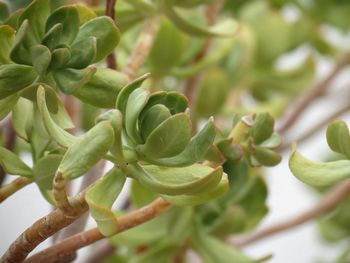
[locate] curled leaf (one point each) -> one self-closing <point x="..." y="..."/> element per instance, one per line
<point x="338" y="138"/>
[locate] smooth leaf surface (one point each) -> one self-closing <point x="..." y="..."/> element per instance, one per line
<point x="41" y="58"/>
<point x="83" y="52"/>
<point x="60" y="58"/>
<point x="12" y="164"/>
<point x="44" y="170"/>
<point x="338" y="138"/>
<point x="262" y="128"/>
<point x="52" y="37"/>
<point x="7" y="104"/>
<point x="23" y="118"/>
<point x="7" y="36"/>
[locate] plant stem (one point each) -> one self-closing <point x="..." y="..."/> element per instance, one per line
<point x="142" y="47"/>
<point x="86" y="238"/>
<point x="12" y="187"/>
<point x="40" y="231"/>
<point x="111" y="58"/>
<point x="328" y="203"/>
<point x="307" y="98"/>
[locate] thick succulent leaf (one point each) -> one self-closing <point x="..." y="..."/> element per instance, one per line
<point x="7" y="36"/>
<point x="191" y="200"/>
<point x="60" y="58"/>
<point x="83" y="52"/>
<point x="12" y="164"/>
<point x="103" y="88"/>
<point x="85" y="13"/>
<point x="7" y="104"/>
<point x="69" y="80"/>
<point x="266" y="157"/>
<point x="100" y="198"/>
<point x="87" y="150"/>
<point x="192" y="180"/>
<point x="212" y="250"/>
<point x="52" y="37"/>
<point x="13" y="18"/>
<point x="44" y="170"/>
<point x="4" y="11"/>
<point x="37" y="22"/>
<point x="141" y="196"/>
<point x="55" y="131"/>
<point x="14" y="77"/>
<point x="22" y="118"/>
<point x="169" y="139"/>
<point x="136" y="102"/>
<point x="262" y="128"/>
<point x="318" y="174"/>
<point x="124" y="94"/>
<point x="41" y="58"/>
<point x="152" y="118"/>
<point x="68" y="16"/>
<point x="214" y="155"/>
<point x="194" y="30"/>
<point x="338" y="138"/>
<point x="195" y="150"/>
<point x="273" y="142"/>
<point x="232" y="152"/>
<point x="106" y="33"/>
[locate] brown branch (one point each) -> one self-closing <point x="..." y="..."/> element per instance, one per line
<point x="111" y="58"/>
<point x="10" y="141"/>
<point x="12" y="187"/>
<point x="327" y="204"/>
<point x="40" y="231"/>
<point x="142" y="47"/>
<point x="307" y="98"/>
<point x="69" y="245"/>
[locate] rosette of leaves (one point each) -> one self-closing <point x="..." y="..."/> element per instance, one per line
<point x="251" y="138"/>
<point x="58" y="49"/>
<point x="325" y="173"/>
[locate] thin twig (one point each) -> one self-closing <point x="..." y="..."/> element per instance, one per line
<point x="86" y="238"/>
<point x="307" y="98"/>
<point x="10" y="141"/>
<point x="7" y="190"/>
<point x="316" y="127"/>
<point x="142" y="47"/>
<point x="328" y="203"/>
<point x="111" y="58"/>
<point x="40" y="231"/>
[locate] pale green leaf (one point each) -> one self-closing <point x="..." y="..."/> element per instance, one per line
<point x="12" y="164"/>
<point x="44" y="170"/>
<point x="338" y="138"/>
<point x="7" y="36"/>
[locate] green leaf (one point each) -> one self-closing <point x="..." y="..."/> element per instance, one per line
<point x="195" y="149"/>
<point x="85" y="13"/>
<point x="338" y="138"/>
<point x="265" y="156"/>
<point x="4" y="11"/>
<point x="87" y="150"/>
<point x="192" y="180"/>
<point x="162" y="252"/>
<point x="168" y="139"/>
<point x="318" y="174"/>
<point x="44" y="170"/>
<point x="41" y="58"/>
<point x="232" y="152"/>
<point x="136" y="102"/>
<point x="103" y="88"/>
<point x="7" y="36"/>
<point x="22" y="118"/>
<point x="52" y="37"/>
<point x="124" y="94"/>
<point x="83" y="53"/>
<point x="273" y="142"/>
<point x="37" y="22"/>
<point x="60" y="58"/>
<point x="14" y="77"/>
<point x="262" y="128"/>
<point x="106" y="33"/>
<point x="69" y="80"/>
<point x="7" y="104"/>
<point x="12" y="164"/>
<point x="56" y="132"/>
<point x="192" y="200"/>
<point x="68" y="16"/>
<point x="100" y="198"/>
<point x="141" y="196"/>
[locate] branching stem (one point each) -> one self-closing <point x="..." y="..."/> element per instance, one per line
<point x="12" y="187"/>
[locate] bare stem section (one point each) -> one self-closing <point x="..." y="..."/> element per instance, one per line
<point x="328" y="203"/>
<point x="83" y="239"/>
<point x="11" y="188"/>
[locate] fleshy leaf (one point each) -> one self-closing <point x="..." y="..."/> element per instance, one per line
<point x="4" y="11"/>
<point x="68" y="16"/>
<point x="262" y="128"/>
<point x="318" y="174"/>
<point x="191" y="180"/>
<point x="60" y="58"/>
<point x="69" y="80"/>
<point x="7" y="36"/>
<point x="191" y="200"/>
<point x="22" y="118"/>
<point x="56" y="132"/>
<point x="44" y="170"/>
<point x="338" y="138"/>
<point x="100" y="198"/>
<point x="140" y="195"/>
<point x="14" y="77"/>
<point x="168" y="139"/>
<point x="7" y="104"/>
<point x="273" y="142"/>
<point x="87" y="150"/>
<point x="106" y="33"/>
<point x="41" y="58"/>
<point x="12" y="164"/>
<point x="85" y="13"/>
<point x="195" y="149"/>
<point x="83" y="53"/>
<point x="103" y="88"/>
<point x="152" y="118"/>
<point x="52" y="37"/>
<point x="265" y="156"/>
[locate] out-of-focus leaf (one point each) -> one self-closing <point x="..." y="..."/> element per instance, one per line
<point x="4" y="11"/>
<point x="22" y="118"/>
<point x="85" y="13"/>
<point x="100" y="198"/>
<point x="7" y="36"/>
<point x="140" y="195"/>
<point x="12" y="164"/>
<point x="262" y="128"/>
<point x="265" y="156"/>
<point x="7" y="104"/>
<point x="338" y="138"/>
<point x="162" y="252"/>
